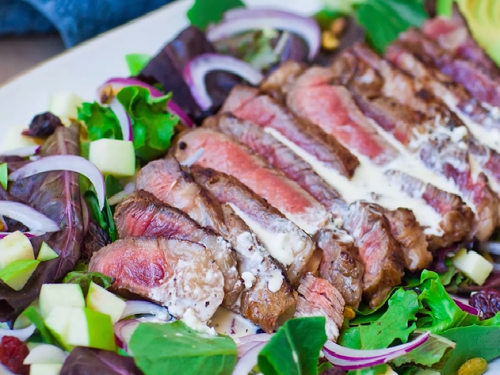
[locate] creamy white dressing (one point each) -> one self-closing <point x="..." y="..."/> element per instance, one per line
<point x="191" y="320"/>
<point x="248" y="279"/>
<point x="369" y="183"/>
<point x="309" y="221"/>
<point x="487" y="136"/>
<point x="275" y="282"/>
<point x="228" y="323"/>
<point x="279" y="245"/>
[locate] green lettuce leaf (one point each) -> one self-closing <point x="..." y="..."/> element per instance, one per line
<point x="100" y="121"/>
<point x="174" y="348"/>
<point x="376" y="370"/>
<point x="206" y="12"/>
<point x="294" y="349"/>
<point x="394" y="324"/>
<point x="136" y="62"/>
<point x="4" y="175"/>
<point x="84" y="279"/>
<point x="113" y="186"/>
<point x="152" y="125"/>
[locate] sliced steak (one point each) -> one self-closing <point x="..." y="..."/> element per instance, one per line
<point x="317" y="297"/>
<point x="286" y="242"/>
<point x="177" y="274"/>
<point x="141" y="214"/>
<point x="278" y="82"/>
<point x="224" y="154"/>
<point x="341" y="265"/>
<point x="94" y="240"/>
<point x="266" y="112"/>
<point x="379" y="251"/>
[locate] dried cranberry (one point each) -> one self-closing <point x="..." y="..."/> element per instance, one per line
<point x="487" y="300"/>
<point x="44" y="125"/>
<point x="12" y="354"/>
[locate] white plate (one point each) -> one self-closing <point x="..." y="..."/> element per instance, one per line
<point x="82" y="69"/>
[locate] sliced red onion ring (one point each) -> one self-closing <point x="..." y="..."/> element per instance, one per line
<point x="22" y="151"/>
<point x="249" y="360"/>
<point x="37" y="223"/>
<point x="145" y="307"/>
<point x="123" y="332"/>
<point x="71" y="163"/>
<point x="467" y="308"/>
<point x="173" y="108"/>
<point x="258" y="337"/>
<point x="45" y="354"/>
<point x="353" y="359"/>
<point x="196" y="70"/>
<point x="117" y="198"/>
<point x="193" y="158"/>
<point x="27" y="234"/>
<point x="241" y="20"/>
<point x="22" y="334"/>
<point x="123" y="118"/>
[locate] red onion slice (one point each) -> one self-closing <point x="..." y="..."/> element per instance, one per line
<point x="22" y="334"/>
<point x="45" y="354"/>
<point x="27" y="234"/>
<point x="124" y="330"/>
<point x="70" y="163"/>
<point x="117" y="198"/>
<point x="467" y="308"/>
<point x="249" y="360"/>
<point x="196" y="70"/>
<point x="22" y="151"/>
<point x="118" y="83"/>
<point x="241" y="20"/>
<point x="37" y="223"/>
<point x="123" y="118"/>
<point x="145" y="307"/>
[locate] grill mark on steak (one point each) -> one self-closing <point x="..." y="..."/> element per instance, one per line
<point x="174" y="273"/>
<point x="228" y="190"/>
<point x="141" y="214"/>
<point x="264" y="111"/>
<point x="229" y="156"/>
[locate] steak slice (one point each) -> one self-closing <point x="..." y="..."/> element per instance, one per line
<point x="141" y="214"/>
<point x="224" y="154"/>
<point x="278" y="82"/>
<point x="341" y="265"/>
<point x="262" y="302"/>
<point x="317" y="297"/>
<point x="286" y="242"/>
<point x="378" y="250"/>
<point x="178" y="274"/>
<point x="266" y="112"/>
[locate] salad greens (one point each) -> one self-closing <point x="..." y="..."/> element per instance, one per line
<point x="4" y="175"/>
<point x="295" y="348"/>
<point x="164" y="349"/>
<point x="36" y="318"/>
<point x="136" y="62"/>
<point x="100" y="121"/>
<point x="205" y="12"/>
<point x="84" y="279"/>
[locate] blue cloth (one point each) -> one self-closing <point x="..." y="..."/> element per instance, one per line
<point x="75" y="20"/>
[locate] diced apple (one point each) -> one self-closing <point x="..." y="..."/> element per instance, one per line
<point x="113" y="157"/>
<point x="99" y="299"/>
<point x="52" y="295"/>
<point x="46" y="253"/>
<point x="15" y="246"/>
<point x="45" y="369"/>
<point x="58" y="322"/>
<point x="13" y="139"/>
<point x="90" y="328"/>
<point x="45" y="354"/>
<point x="17" y="273"/>
<point x="473" y="265"/>
<point x="64" y="105"/>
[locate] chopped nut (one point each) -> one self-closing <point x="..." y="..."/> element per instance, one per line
<point x="107" y="94"/>
<point x="329" y="41"/>
<point x="338" y="26"/>
<point x="474" y="366"/>
<point x="349" y="313"/>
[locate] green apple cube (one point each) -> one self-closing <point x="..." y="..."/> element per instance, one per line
<point x="45" y="369"/>
<point x="113" y="157"/>
<point x="58" y="323"/>
<point x="17" y="274"/>
<point x="45" y="354"/>
<point x="90" y="328"/>
<point x="15" y="246"/>
<point x="99" y="299"/>
<point x="64" y="105"/>
<point x="46" y="253"/>
<point x="52" y="295"/>
<point x="473" y="265"/>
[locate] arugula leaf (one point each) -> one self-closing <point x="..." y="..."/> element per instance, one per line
<point x="113" y="186"/>
<point x="4" y="175"/>
<point x="376" y="370"/>
<point x="295" y="348"/>
<point x="433" y="353"/>
<point x="105" y="217"/>
<point x="84" y="279"/>
<point x="393" y="325"/>
<point x="136" y="62"/>
<point x="472" y="341"/>
<point x="34" y="316"/>
<point x="152" y="125"/>
<point x="165" y="349"/>
<point x="383" y="20"/>
<point x="100" y="121"/>
<point x="206" y="12"/>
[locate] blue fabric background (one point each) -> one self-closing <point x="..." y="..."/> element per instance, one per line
<point x="75" y="20"/>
